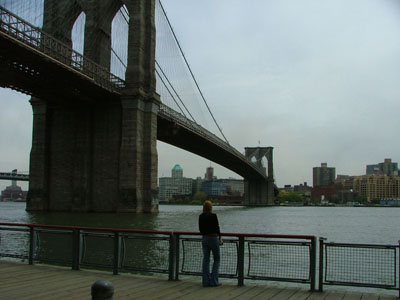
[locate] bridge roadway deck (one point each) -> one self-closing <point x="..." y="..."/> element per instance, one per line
<point x="21" y="281"/>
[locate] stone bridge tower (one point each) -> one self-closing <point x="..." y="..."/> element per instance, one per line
<point x="99" y="155"/>
<point x="261" y="191"/>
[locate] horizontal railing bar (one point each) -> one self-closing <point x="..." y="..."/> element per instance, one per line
<point x="298" y="243"/>
<point x="199" y="274"/>
<point x="124" y="230"/>
<point x="372" y="285"/>
<point x="349" y="245"/>
<point x="99" y="229"/>
<point x="269" y="278"/>
<point x="261" y="235"/>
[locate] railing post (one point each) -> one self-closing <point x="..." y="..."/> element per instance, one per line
<point x="76" y="249"/>
<point x="321" y="264"/>
<point x="313" y="263"/>
<point x="32" y="244"/>
<point x="177" y="239"/>
<point x="117" y="248"/>
<point x="240" y="261"/>
<point x="172" y="249"/>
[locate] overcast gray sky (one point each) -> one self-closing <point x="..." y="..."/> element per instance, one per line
<point x="316" y="79"/>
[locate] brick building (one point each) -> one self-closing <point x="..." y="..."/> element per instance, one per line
<point x="377" y="187"/>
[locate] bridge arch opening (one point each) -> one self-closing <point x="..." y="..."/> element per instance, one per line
<point x="78" y="33"/>
<point x="16" y="118"/>
<point x="119" y="42"/>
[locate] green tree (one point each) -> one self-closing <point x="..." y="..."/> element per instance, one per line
<point x="376" y="201"/>
<point x="200" y="197"/>
<point x="362" y="199"/>
<point x="290" y="197"/>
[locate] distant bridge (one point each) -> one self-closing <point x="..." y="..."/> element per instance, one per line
<point x="14" y="176"/>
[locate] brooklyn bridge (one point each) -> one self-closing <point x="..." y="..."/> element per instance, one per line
<point x="99" y="106"/>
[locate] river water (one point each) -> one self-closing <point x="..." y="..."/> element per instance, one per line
<point x="375" y="225"/>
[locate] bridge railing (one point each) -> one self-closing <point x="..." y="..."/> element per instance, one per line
<point x="244" y="256"/>
<point x="270" y="257"/>
<point x="34" y="37"/>
<point x="364" y="265"/>
<point x="177" y="117"/>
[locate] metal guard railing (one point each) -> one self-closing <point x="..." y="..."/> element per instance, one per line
<point x="362" y="265"/>
<point x="34" y="37"/>
<point x="289" y="258"/>
<point x="174" y="253"/>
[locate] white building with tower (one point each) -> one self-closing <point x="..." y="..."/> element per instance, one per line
<point x="174" y="185"/>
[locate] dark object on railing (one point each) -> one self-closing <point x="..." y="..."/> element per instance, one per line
<point x="102" y="290"/>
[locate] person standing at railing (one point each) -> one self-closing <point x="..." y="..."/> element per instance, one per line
<point x="209" y="228"/>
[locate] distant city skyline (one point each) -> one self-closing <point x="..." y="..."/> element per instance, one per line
<point x="24" y="185"/>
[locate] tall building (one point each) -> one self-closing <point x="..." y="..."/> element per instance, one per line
<point x="209" y="175"/>
<point x="323" y="175"/>
<point x="174" y="185"/>
<point x="385" y="168"/>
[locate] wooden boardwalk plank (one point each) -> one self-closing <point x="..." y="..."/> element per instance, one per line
<point x="300" y="295"/>
<point x="369" y="297"/>
<point x="25" y="282"/>
<point x="352" y="296"/>
<point x="268" y="293"/>
<point x="284" y="294"/>
<point x="335" y="296"/>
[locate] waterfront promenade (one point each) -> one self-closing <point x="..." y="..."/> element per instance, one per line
<point x="22" y="281"/>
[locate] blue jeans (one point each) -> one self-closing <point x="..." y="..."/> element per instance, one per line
<point x="210" y="244"/>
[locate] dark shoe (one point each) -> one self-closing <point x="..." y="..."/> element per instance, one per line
<point x="219" y="284"/>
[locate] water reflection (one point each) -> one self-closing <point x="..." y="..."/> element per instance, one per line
<point x="106" y="220"/>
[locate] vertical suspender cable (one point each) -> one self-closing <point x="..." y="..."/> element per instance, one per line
<point x="191" y="73"/>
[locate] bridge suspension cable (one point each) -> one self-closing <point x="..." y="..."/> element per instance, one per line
<point x="190" y="71"/>
<point x="172" y="87"/>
